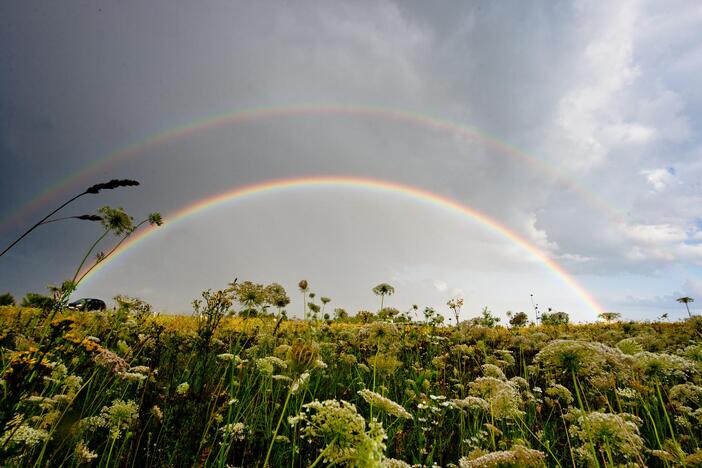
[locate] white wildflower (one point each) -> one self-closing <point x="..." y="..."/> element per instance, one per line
<point x="384" y="404"/>
<point x="299" y="383"/>
<point x="183" y="388"/>
<point x="83" y="454"/>
<point x="235" y="431"/>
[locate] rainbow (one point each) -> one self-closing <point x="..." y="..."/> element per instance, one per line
<point x="380" y="186"/>
<point x="143" y="146"/>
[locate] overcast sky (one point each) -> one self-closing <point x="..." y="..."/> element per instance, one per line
<point x="605" y="96"/>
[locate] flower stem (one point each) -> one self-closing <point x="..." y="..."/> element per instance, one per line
<point x="40" y="222"/>
<point x="277" y="428"/>
<point x="109" y="253"/>
<point x="319" y="458"/>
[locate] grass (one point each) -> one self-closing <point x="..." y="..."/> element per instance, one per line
<point x="129" y="388"/>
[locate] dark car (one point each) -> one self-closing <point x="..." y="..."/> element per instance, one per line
<point x="87" y="303"/>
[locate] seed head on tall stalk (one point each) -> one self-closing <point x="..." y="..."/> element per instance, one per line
<point x="116" y="221"/>
<point x="93" y="189"/>
<point x="455" y="305"/>
<point x="382" y="290"/>
<point x="325" y="301"/>
<point x="277" y="297"/>
<point x="304" y="287"/>
<point x="686" y="300"/>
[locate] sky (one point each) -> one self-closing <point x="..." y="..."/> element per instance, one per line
<point x="575" y="125"/>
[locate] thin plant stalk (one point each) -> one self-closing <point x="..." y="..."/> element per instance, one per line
<point x="319" y="458"/>
<point x="114" y="249"/>
<point x="114" y="183"/>
<point x="277" y="427"/>
<point x="587" y="425"/>
<point x="41" y="222"/>
<point x="667" y="418"/>
<point x="548" y="449"/>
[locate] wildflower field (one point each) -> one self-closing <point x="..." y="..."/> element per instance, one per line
<point x="126" y="387"/>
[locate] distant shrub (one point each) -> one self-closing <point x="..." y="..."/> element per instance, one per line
<point x="519" y="319"/>
<point x="7" y="299"/>
<point x="555" y="318"/>
<point x="387" y="313"/>
<point x="37" y="301"/>
<point x="365" y="316"/>
<point x="486" y="319"/>
<point x="134" y="305"/>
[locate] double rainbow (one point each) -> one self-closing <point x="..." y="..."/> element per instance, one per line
<point x="142" y="148"/>
<point x="241" y="194"/>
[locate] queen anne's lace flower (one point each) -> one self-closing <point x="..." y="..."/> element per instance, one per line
<point x="348" y="359"/>
<point x="561" y="358"/>
<point x="302" y="355"/>
<point x="384" y="364"/>
<point x="517" y="456"/>
<point x="630" y="346"/>
<point x="299" y="383"/>
<point x="24" y="435"/>
<point x="559" y="393"/>
<point x="472" y="403"/>
<point x="393" y="463"/>
<point x="183" y="388"/>
<point x="234" y="431"/>
<point x="110" y="360"/>
<point x="614" y="434"/>
<point x="687" y="394"/>
<point x="663" y="367"/>
<point x="83" y="454"/>
<point x="226" y="357"/>
<point x="491" y="370"/>
<point x="119" y="416"/>
<point x="384" y="404"/>
<point x="342" y="433"/>
<point x="268" y="364"/>
<point x="502" y="396"/>
<point x="133" y="376"/>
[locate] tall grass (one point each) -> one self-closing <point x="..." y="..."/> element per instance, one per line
<point x="126" y="387"/>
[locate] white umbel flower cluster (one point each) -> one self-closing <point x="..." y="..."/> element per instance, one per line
<point x="384" y="404"/>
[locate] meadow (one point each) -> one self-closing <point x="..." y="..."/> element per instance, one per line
<point x="126" y="387"/>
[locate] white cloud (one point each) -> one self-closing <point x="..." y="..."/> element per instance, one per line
<point x="587" y="118"/>
<point x="655" y="234"/>
<point x="575" y="258"/>
<point x="628" y="133"/>
<point x="440" y="285"/>
<point x="658" y="178"/>
<point x="663" y="243"/>
<point x="537" y="236"/>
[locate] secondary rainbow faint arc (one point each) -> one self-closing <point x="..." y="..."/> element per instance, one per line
<point x="250" y="115"/>
<point x="416" y="193"/>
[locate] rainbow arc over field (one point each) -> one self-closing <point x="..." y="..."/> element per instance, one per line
<point x="142" y="148"/>
<point x="240" y="194"/>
